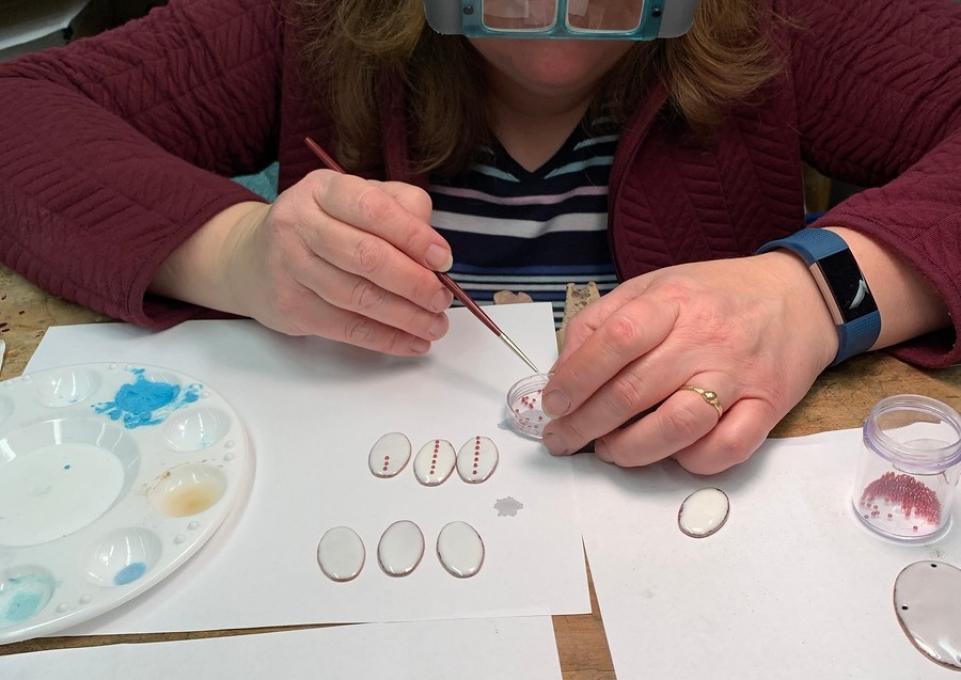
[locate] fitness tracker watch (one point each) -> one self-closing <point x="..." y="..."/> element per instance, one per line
<point x="842" y="285"/>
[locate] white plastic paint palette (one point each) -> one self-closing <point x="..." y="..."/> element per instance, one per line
<point x="927" y="600"/>
<point x="111" y="476"/>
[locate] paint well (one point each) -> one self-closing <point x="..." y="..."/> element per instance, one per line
<point x="434" y="462"/>
<point x="130" y="573"/>
<point x="389" y="455"/>
<point x="341" y="554"/>
<point x="41" y="499"/>
<point x="147" y="401"/>
<point x="65" y="387"/>
<point x="24" y="592"/>
<point x="401" y="548"/>
<point x="460" y="549"/>
<point x="927" y="601"/>
<point x="188" y="490"/>
<point x="196" y="429"/>
<point x="703" y="513"/>
<point x="123" y="556"/>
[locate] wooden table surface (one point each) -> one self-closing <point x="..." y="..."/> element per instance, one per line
<point x="840" y="399"/>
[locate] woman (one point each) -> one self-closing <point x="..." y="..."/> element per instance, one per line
<point x="112" y="191"/>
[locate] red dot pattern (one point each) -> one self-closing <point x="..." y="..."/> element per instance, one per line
<point x="529" y="412"/>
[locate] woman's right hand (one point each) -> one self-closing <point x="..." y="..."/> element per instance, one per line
<point x="335" y="256"/>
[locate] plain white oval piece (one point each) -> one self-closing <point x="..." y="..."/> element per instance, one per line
<point x="460" y="549"/>
<point x="927" y="600"/>
<point x="401" y="548"/>
<point x="703" y="512"/>
<point x="477" y="460"/>
<point x="389" y="454"/>
<point x="341" y="554"/>
<point x="434" y="462"/>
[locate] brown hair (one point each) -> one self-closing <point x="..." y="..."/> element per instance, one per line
<point x="351" y="46"/>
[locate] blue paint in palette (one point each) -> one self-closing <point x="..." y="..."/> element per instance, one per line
<point x="23" y="596"/>
<point x="130" y="573"/>
<point x="147" y="402"/>
<point x="23" y="606"/>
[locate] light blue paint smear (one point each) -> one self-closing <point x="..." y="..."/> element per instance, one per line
<point x="145" y="402"/>
<point x="130" y="573"/>
<point x="23" y="596"/>
<point x="23" y="606"/>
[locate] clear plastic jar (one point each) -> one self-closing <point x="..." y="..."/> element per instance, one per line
<point x="525" y="413"/>
<point x="909" y="468"/>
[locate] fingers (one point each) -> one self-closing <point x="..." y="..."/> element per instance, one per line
<point x="631" y="332"/>
<point x="740" y="433"/>
<point x="679" y="422"/>
<point x="353" y="293"/>
<point x="641" y="385"/>
<point x="373" y="207"/>
<point x="318" y="317"/>
<point x="414" y="199"/>
<point x="370" y="257"/>
<point x="589" y="319"/>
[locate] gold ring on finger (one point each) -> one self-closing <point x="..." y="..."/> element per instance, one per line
<point x="709" y="396"/>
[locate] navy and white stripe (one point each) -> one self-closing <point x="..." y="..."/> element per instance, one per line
<point x="512" y="229"/>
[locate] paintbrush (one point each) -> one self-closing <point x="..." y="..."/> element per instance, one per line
<point x="451" y="285"/>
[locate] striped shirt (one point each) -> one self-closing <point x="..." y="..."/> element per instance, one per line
<point x="533" y="232"/>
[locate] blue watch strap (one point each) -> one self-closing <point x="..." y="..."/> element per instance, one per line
<point x="813" y="245"/>
<point x="857" y="337"/>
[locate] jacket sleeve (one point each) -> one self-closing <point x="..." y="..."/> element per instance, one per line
<point x="878" y="90"/>
<point x="116" y="148"/>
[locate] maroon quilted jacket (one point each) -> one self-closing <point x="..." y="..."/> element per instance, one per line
<point x="115" y="149"/>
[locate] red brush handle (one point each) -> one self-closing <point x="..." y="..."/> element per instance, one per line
<point x="324" y="157"/>
<point x="467" y="302"/>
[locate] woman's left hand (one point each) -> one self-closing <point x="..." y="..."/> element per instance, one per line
<point x="755" y="331"/>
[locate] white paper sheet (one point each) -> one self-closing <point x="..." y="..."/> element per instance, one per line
<point x="313" y="409"/>
<point x="792" y="587"/>
<point x="479" y="649"/>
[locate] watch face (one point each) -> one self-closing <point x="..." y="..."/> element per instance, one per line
<point x="850" y="290"/>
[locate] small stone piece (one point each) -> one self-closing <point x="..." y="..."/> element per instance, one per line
<point x="389" y="455"/>
<point x="341" y="554"/>
<point x="401" y="548"/>
<point x="477" y="460"/>
<point x="434" y="462"/>
<point x="460" y="549"/>
<point x="703" y="513"/>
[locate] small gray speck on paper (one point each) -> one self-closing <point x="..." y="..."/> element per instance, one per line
<point x="508" y="507"/>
